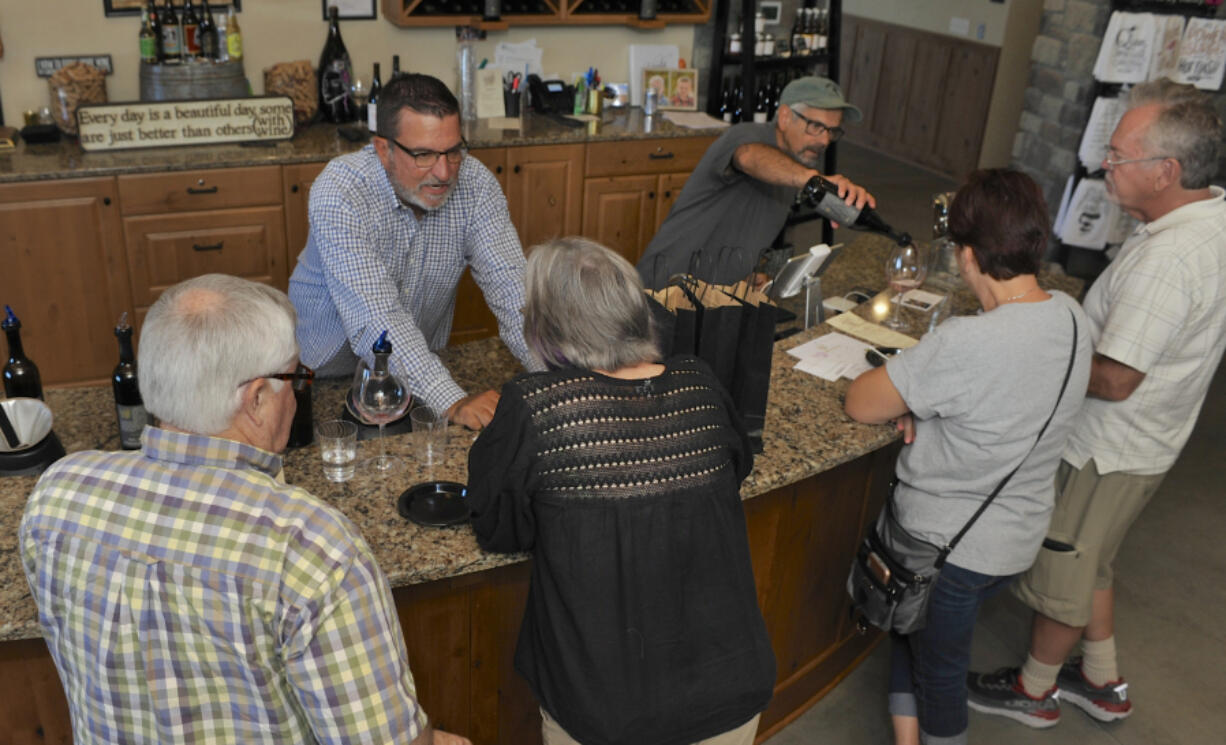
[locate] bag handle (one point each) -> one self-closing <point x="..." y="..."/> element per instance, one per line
<point x="1072" y="356"/>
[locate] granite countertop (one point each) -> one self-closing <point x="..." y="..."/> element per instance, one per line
<point x="806" y="433"/>
<point x="318" y="142"/>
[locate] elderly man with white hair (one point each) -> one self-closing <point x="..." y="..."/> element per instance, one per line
<point x="187" y="594"/>
<point x="737" y="199"/>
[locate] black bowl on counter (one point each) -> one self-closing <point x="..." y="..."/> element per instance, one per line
<point x="435" y="504"/>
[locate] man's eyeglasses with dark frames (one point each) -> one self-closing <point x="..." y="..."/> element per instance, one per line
<point x="427" y="158"/>
<point x="308" y="376"/>
<point x="813" y="127"/>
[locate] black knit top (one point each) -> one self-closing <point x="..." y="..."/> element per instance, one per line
<point x="642" y="625"/>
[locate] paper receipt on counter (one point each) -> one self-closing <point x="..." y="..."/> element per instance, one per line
<point x="850" y="323"/>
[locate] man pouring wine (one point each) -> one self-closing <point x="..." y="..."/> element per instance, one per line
<point x="738" y="197"/>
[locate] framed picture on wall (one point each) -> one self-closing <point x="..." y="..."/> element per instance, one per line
<point x="351" y="9"/>
<point x="132" y="7"/>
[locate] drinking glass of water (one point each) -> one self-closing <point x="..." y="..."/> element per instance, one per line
<point x="338" y="448"/>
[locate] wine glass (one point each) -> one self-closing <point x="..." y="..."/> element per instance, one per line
<point x="360" y="94"/>
<point x="905" y="270"/>
<point x="379" y="398"/>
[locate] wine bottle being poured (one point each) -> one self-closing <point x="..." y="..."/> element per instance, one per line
<point x="825" y="200"/>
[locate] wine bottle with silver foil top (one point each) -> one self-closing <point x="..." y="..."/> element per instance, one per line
<point x="21" y="378"/>
<point x="825" y="200"/>
<point x="129" y="407"/>
<point x="302" y="429"/>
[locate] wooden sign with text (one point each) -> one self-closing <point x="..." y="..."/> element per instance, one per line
<point x="121" y="126"/>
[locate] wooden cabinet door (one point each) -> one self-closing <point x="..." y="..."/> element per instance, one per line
<point x="545" y="191"/>
<point x="298" y="179"/>
<point x="620" y="212"/>
<point x="495" y="159"/>
<point x="669" y="188"/>
<point x="61" y="249"/>
<point x="165" y="249"/>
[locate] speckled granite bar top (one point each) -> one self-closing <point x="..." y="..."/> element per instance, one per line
<point x="315" y="143"/>
<point x="806" y="433"/>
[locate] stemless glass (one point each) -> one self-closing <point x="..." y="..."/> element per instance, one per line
<point x="905" y="270"/>
<point x="379" y="398"/>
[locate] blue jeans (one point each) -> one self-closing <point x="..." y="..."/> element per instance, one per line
<point x="928" y="668"/>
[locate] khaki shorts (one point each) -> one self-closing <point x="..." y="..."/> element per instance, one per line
<point x="553" y="734"/>
<point x="1093" y="514"/>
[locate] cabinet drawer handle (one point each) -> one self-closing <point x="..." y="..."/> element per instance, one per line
<point x="660" y="156"/>
<point x="209" y="190"/>
<point x="294" y="189"/>
<point x="210" y="247"/>
<point x="497" y="169"/>
<point x="668" y="194"/>
<point x="516" y="169"/>
<point x="651" y="195"/>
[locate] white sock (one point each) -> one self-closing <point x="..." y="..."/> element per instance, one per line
<point x="1099" y="664"/>
<point x="1038" y="678"/>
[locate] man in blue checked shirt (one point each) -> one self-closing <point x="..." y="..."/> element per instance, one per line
<point x="392" y="228"/>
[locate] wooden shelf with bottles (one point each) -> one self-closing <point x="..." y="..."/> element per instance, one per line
<point x="419" y="13"/>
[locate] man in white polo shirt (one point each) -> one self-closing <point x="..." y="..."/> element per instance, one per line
<point x="1158" y="314"/>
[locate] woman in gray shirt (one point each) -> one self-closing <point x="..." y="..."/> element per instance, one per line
<point x="971" y="399"/>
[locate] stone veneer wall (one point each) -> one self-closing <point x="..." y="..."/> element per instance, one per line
<point x="1061" y="92"/>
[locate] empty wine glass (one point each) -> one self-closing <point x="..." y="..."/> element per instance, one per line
<point x="380" y="397"/>
<point x="905" y="270"/>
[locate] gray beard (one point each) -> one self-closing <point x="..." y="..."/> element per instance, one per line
<point x="413" y="199"/>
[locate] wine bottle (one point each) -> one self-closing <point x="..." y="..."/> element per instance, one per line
<point x="372" y="103"/>
<point x="129" y="408"/>
<point x="148" y="41"/>
<point x="206" y="34"/>
<point x="335" y="75"/>
<point x="648" y="9"/>
<point x="739" y="103"/>
<point x="21" y="379"/>
<point x="491" y="10"/>
<point x="824" y="197"/>
<point x="759" y="109"/>
<point x="725" y="102"/>
<point x="191" y="25"/>
<point x="234" y="36"/>
<point x="172" y="35"/>
<point x="796" y="39"/>
<point x="155" y="25"/>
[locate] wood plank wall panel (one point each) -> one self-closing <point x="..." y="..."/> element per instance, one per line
<point x="925" y="96"/>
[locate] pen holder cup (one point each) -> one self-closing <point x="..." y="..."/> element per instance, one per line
<point x="512" y="102"/>
<point x="595" y="101"/>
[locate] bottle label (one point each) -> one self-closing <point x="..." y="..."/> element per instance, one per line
<point x="190" y="42"/>
<point x="334" y="82"/>
<point x="234" y="45"/>
<point x="372" y="119"/>
<point x="833" y="208"/>
<point x="170" y="41"/>
<point x="759" y="116"/>
<point x="132" y="421"/>
<point x="148" y="49"/>
<point x="728" y="116"/>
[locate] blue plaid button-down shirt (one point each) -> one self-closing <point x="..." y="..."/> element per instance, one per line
<point x="370" y="264"/>
<point x="189" y="597"/>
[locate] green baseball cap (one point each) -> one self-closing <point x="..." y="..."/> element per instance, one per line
<point x="819" y="93"/>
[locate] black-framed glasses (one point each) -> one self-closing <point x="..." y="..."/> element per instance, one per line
<point x="816" y="128"/>
<point x="307" y="375"/>
<point x="427" y="158"/>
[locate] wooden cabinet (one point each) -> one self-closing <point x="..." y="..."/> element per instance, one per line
<point x="631" y="186"/>
<point x="182" y="225"/>
<point x="417" y="13"/>
<point x="61" y="249"/>
<point x="544" y="191"/>
<point x="297" y="180"/>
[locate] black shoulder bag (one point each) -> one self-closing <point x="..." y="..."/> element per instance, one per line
<point x="893" y="573"/>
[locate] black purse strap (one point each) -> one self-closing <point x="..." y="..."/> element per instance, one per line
<point x="1072" y="357"/>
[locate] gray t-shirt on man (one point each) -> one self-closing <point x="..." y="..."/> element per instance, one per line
<point x="723" y="218"/>
<point x="981" y="388"/>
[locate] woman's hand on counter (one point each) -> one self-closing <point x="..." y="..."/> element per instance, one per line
<point x="475" y="411"/>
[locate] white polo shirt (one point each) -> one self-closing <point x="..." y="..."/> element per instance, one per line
<point x="1160" y="308"/>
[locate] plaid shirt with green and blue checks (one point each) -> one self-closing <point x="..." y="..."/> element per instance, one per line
<point x="187" y="596"/>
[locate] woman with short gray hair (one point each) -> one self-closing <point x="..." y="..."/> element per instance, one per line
<point x="621" y="474"/>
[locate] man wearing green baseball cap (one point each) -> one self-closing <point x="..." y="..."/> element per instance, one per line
<point x="737" y="199"/>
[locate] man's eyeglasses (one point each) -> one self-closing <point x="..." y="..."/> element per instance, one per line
<point x="1111" y="163"/>
<point x="816" y="128"/>
<point x="307" y="376"/>
<point x="427" y="158"/>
